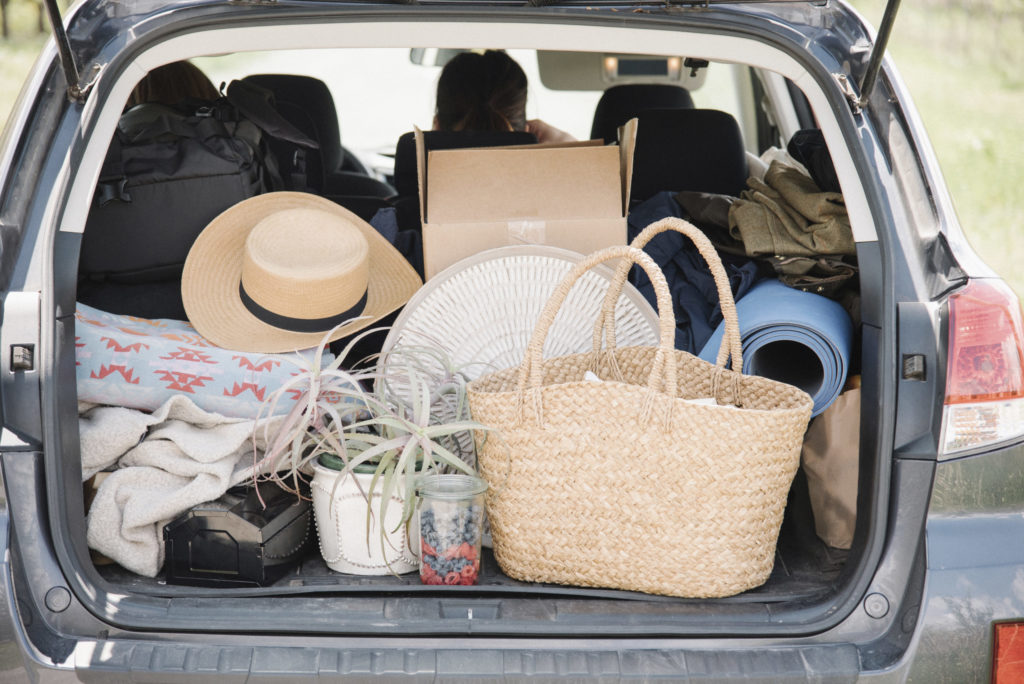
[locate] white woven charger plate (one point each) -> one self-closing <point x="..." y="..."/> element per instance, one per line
<point x="482" y="310"/>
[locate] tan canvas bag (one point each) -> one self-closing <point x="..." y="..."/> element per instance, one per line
<point x="831" y="461"/>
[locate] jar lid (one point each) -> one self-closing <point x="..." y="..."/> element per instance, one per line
<point x="452" y="486"/>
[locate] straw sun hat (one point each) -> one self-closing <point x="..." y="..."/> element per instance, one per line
<point x="277" y="271"/>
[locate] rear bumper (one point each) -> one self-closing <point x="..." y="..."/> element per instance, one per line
<point x="972" y="575"/>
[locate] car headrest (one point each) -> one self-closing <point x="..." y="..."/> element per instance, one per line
<point x="688" y="149"/>
<point x="406" y="182"/>
<point x="621" y="103"/>
<point x="308" y="105"/>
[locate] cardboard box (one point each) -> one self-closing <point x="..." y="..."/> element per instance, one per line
<point x="572" y="195"/>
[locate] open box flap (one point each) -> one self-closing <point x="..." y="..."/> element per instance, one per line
<point x="421" y="171"/>
<point x="627" y="148"/>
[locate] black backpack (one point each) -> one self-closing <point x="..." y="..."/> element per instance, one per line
<point x="168" y="172"/>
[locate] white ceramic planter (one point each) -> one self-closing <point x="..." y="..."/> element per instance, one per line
<point x="341" y="525"/>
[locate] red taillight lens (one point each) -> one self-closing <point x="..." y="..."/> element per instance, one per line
<point x="986" y="344"/>
<point x="985" y="376"/>
<point x="1008" y="653"/>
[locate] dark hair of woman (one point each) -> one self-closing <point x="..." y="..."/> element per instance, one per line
<point x="481" y="92"/>
<point x="172" y="83"/>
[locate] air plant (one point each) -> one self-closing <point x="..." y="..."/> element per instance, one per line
<point x="404" y="366"/>
<point x="325" y="398"/>
<point x="405" y="417"/>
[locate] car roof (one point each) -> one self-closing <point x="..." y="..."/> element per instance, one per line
<point x="96" y="29"/>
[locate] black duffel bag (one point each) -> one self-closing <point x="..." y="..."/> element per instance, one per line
<point x="168" y="172"/>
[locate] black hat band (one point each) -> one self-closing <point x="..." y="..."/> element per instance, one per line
<point x="300" y="325"/>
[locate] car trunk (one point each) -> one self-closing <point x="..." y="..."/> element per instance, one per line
<point x="806" y="570"/>
<point x="811" y="586"/>
<point x="808" y="576"/>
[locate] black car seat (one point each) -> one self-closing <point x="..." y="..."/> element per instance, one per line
<point x="621" y="103"/>
<point x="306" y="102"/>
<point x="406" y="179"/>
<point x="688" y="149"/>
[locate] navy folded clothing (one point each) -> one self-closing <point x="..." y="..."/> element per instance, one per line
<point x="694" y="295"/>
<point x="792" y="336"/>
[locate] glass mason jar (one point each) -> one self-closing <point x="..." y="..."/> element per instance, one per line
<point x="451" y="514"/>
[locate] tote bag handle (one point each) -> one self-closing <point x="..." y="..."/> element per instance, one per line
<point x="731" y="341"/>
<point x="664" y="368"/>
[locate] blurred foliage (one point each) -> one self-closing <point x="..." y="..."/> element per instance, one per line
<point x="19" y="47"/>
<point x="963" y="62"/>
<point x="14" y="13"/>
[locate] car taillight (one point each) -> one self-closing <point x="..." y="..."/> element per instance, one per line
<point x="1008" y="653"/>
<point x="985" y="370"/>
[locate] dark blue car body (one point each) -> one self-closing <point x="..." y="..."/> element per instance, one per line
<point x="937" y="559"/>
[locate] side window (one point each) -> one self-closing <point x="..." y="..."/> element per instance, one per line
<point x="801" y="106"/>
<point x="765" y="121"/>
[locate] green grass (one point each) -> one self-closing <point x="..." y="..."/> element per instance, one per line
<point x="979" y="142"/>
<point x="16" y="59"/>
<point x="962" y="62"/>
<point x="18" y="52"/>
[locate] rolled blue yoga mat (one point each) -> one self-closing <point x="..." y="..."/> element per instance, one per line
<point x="792" y="336"/>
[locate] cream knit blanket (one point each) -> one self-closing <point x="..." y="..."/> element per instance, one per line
<point x="166" y="462"/>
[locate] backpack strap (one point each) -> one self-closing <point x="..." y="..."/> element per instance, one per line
<point x="113" y="183"/>
<point x="257" y="104"/>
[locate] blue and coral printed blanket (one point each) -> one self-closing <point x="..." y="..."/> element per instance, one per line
<point x="139" y="363"/>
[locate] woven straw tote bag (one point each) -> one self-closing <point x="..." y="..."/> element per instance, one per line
<point x="632" y="482"/>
